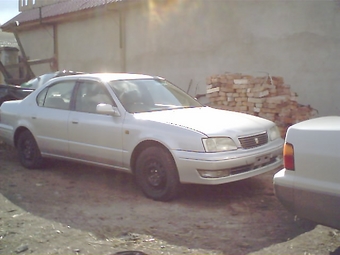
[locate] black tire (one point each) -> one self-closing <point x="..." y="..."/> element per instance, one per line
<point x="28" y="151"/>
<point x="156" y="174"/>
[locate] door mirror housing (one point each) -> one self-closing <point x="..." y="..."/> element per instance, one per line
<point x="107" y="109"/>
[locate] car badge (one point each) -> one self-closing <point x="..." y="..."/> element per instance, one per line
<point x="256" y="140"/>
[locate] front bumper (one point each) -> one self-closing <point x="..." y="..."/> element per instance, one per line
<point x="194" y="167"/>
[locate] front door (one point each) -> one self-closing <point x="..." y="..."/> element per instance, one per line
<point x="94" y="137"/>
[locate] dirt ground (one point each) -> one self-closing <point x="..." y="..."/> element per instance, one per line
<point x="69" y="208"/>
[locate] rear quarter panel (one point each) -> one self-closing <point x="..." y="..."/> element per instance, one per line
<point x="317" y="156"/>
<point x="317" y="169"/>
<point x="9" y="116"/>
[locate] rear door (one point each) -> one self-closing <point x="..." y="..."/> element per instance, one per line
<point x="51" y="118"/>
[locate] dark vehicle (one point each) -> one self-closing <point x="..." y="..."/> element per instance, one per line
<point x="12" y="92"/>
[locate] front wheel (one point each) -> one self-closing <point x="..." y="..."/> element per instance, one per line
<point x="28" y="151"/>
<point x="156" y="173"/>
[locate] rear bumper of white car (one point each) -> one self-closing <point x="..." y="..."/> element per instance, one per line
<point x="284" y="189"/>
<point x="307" y="198"/>
<point x="219" y="168"/>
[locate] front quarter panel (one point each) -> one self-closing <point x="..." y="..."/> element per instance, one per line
<point x="136" y="131"/>
<point x="187" y="149"/>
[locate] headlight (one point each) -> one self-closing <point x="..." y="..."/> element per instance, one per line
<point x="218" y="144"/>
<point x="274" y="133"/>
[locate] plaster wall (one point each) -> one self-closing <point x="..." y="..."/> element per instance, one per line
<point x="38" y="44"/>
<point x="90" y="45"/>
<point x="187" y="41"/>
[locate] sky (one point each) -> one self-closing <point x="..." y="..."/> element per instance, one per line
<point x="8" y="10"/>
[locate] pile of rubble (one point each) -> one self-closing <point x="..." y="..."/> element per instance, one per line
<point x="267" y="97"/>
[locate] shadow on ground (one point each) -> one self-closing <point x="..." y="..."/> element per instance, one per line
<point x="235" y="218"/>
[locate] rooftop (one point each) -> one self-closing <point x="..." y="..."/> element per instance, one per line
<point x="55" y="10"/>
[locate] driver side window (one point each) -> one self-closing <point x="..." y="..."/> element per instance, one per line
<point x="89" y="94"/>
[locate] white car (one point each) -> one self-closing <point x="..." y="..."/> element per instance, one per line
<point x="309" y="185"/>
<point x="142" y="125"/>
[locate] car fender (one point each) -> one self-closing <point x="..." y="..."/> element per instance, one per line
<point x="170" y="136"/>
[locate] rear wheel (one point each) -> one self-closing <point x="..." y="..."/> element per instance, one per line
<point x="157" y="175"/>
<point x="28" y="151"/>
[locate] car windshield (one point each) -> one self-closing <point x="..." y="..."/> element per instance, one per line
<point x="146" y="95"/>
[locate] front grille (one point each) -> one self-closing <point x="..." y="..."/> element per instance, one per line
<point x="253" y="141"/>
<point x="261" y="162"/>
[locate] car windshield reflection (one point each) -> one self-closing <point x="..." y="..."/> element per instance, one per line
<point x="145" y="95"/>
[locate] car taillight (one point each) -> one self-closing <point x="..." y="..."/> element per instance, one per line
<point x="288" y="156"/>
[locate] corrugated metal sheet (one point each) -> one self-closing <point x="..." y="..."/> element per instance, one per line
<point x="58" y="9"/>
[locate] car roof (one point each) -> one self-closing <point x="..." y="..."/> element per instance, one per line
<point x="108" y="76"/>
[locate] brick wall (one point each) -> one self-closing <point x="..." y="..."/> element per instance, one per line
<point x="267" y="97"/>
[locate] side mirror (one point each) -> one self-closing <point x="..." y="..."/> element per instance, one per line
<point x="107" y="109"/>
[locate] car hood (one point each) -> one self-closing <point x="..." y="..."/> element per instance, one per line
<point x="209" y="121"/>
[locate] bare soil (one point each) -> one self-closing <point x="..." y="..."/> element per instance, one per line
<point x="69" y="208"/>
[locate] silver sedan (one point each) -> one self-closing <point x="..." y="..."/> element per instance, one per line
<point x="142" y="125"/>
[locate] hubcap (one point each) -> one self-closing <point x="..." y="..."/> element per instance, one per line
<point x="155" y="175"/>
<point x="27" y="149"/>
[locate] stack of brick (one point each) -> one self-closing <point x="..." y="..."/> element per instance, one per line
<point x="267" y="97"/>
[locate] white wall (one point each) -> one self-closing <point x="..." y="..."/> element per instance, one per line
<point x="191" y="40"/>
